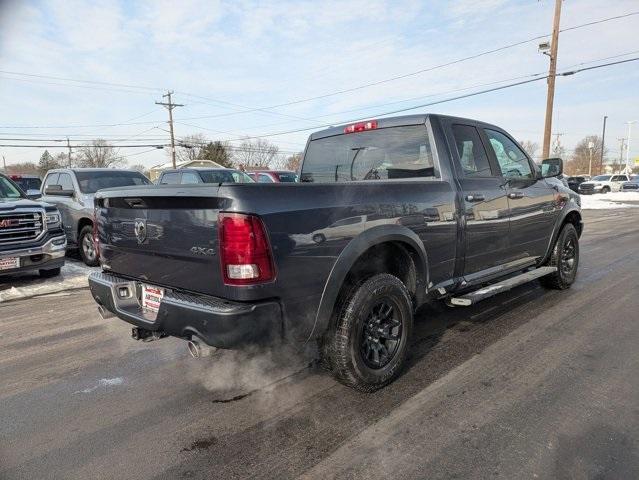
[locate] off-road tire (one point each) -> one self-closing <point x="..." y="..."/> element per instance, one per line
<point x="86" y="235"/>
<point x="52" y="272"/>
<point x="563" y="278"/>
<point x="343" y="347"/>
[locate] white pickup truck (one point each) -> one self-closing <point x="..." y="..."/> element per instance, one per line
<point x="603" y="184"/>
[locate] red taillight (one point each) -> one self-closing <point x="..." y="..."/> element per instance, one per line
<point x="360" y="127"/>
<point x="96" y="237"/>
<point x="15" y="177"/>
<point x="245" y="253"/>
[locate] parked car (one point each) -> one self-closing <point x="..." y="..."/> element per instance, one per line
<point x="203" y="175"/>
<point x="574" y="182"/>
<point x="603" y="184"/>
<point x="632" y="185"/>
<point x="30" y="184"/>
<point x="273" y="176"/>
<point x="72" y="191"/>
<point x="31" y="234"/>
<point x="467" y="215"/>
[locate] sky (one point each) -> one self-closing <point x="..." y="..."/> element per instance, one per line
<point x="94" y="69"/>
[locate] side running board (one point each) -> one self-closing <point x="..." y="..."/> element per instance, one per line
<point x="499" y="287"/>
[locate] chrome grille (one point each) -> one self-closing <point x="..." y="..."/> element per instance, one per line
<point x="20" y="227"/>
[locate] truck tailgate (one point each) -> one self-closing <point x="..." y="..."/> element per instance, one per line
<point x="163" y="236"/>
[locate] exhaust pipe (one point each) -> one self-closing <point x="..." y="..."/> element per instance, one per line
<point x="104" y="313"/>
<point x="199" y="349"/>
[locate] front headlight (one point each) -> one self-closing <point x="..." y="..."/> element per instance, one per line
<point x="52" y="218"/>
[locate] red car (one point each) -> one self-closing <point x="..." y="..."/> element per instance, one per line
<point x="272" y="176"/>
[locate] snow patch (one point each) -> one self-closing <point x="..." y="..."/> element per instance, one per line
<point x="74" y="275"/>
<point x="103" y="382"/>
<point x="610" y="201"/>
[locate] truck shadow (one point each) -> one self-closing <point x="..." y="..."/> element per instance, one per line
<point x="470" y="329"/>
<point x="320" y="422"/>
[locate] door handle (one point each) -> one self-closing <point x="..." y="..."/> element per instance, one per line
<point x="515" y="195"/>
<point x="475" y="197"/>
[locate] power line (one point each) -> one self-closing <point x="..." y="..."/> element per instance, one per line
<point x="417" y="72"/>
<point x="293" y="102"/>
<point x="459" y="97"/>
<point x="83" y="145"/>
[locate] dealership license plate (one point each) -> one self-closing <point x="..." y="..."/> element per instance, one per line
<point x="9" y="263"/>
<point x="151" y="298"/>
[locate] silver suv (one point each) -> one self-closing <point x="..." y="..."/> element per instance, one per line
<point x="72" y="190"/>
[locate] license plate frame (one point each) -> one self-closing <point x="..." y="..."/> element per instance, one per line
<point x="9" y="263"/>
<point x="152" y="297"/>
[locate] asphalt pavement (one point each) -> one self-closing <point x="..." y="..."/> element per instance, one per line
<point x="529" y="384"/>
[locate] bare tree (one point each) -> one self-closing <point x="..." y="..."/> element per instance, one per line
<point x="99" y="155"/>
<point x="256" y="153"/>
<point x="530" y="147"/>
<point x="293" y="162"/>
<point x="582" y="155"/>
<point x="189" y="148"/>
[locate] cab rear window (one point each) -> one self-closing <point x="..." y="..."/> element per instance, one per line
<point x="381" y="154"/>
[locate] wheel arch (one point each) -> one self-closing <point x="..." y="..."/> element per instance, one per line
<point x="383" y="238"/>
<point x="572" y="216"/>
<point x="83" y="222"/>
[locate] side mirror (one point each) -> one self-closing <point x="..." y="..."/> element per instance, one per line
<point x="33" y="194"/>
<point x="58" y="191"/>
<point x="552" y="167"/>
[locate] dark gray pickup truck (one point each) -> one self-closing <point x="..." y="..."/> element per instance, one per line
<point x="389" y="214"/>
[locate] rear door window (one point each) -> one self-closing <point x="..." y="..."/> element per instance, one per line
<point x="472" y="155"/>
<point x="381" y="154"/>
<point x="264" y="178"/>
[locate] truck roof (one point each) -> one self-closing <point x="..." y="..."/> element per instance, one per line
<point x="91" y="169"/>
<point x="398" y="121"/>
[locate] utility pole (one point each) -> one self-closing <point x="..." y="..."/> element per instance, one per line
<point x="622" y="145"/>
<point x="550" y="97"/>
<point x="591" y="145"/>
<point x="4" y="163"/>
<point x="69" y="147"/>
<point x="557" y="143"/>
<point x="628" y="145"/>
<point x="170" y="106"/>
<point x="603" y="140"/>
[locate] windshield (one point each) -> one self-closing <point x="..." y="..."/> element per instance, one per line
<point x="602" y="178"/>
<point x="287" y="177"/>
<point x="387" y="153"/>
<point x="225" y="176"/>
<point x="8" y="190"/>
<point x="92" y="181"/>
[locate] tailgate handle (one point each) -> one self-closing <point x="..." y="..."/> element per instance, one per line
<point x="135" y="202"/>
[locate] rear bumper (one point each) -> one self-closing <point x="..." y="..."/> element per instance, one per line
<point x="218" y="322"/>
<point x="47" y="256"/>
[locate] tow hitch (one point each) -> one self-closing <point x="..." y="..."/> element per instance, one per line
<point x="145" y="335"/>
